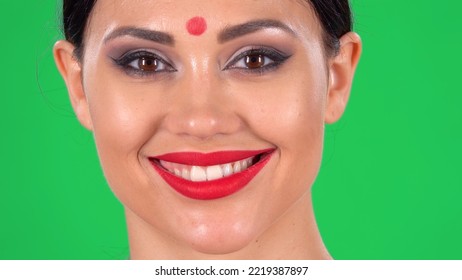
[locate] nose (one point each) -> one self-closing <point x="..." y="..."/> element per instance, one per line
<point x="201" y="107"/>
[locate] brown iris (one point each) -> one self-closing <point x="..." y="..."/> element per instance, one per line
<point x="253" y="61"/>
<point x="148" y="64"/>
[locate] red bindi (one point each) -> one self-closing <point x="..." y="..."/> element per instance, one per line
<point x="196" y="26"/>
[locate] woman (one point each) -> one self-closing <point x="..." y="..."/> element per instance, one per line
<point x="208" y="117"/>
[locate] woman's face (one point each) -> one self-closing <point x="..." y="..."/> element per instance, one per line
<point x="158" y="93"/>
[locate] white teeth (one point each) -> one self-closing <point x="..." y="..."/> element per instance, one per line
<point x="166" y="164"/>
<point x="227" y="169"/>
<point x="237" y="167"/>
<point x="198" y="174"/>
<point x="214" y="172"/>
<point x="185" y="174"/>
<point x="244" y="164"/>
<point x="206" y="173"/>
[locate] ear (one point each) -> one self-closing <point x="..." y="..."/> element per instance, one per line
<point x="71" y="71"/>
<point x="341" y="71"/>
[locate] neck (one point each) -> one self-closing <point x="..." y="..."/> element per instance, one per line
<point x="293" y="236"/>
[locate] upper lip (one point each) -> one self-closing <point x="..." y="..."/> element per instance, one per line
<point x="208" y="159"/>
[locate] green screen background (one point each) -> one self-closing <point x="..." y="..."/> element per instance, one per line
<point x="390" y="186"/>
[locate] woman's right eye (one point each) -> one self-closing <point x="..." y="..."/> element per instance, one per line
<point x="144" y="63"/>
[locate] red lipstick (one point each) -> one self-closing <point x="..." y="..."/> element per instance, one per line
<point x="213" y="189"/>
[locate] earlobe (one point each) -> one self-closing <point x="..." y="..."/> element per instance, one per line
<point x="71" y="71"/>
<point x="341" y="72"/>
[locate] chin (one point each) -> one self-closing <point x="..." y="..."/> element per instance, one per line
<point x="222" y="239"/>
<point x="216" y="232"/>
<point x="221" y="247"/>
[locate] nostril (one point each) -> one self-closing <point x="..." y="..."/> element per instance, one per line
<point x="202" y="121"/>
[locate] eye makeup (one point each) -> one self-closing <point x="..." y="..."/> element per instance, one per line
<point x="257" y="59"/>
<point x="256" y="55"/>
<point x="142" y="63"/>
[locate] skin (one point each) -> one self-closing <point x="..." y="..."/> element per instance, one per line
<point x="207" y="106"/>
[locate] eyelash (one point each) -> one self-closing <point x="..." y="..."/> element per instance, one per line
<point x="130" y="62"/>
<point x="276" y="59"/>
<point x="126" y="61"/>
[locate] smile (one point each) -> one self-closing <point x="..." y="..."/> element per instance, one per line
<point x="210" y="176"/>
<point x="207" y="173"/>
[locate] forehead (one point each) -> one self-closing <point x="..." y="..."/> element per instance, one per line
<point x="172" y="15"/>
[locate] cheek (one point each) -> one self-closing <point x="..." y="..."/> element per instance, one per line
<point x="288" y="112"/>
<point x="118" y="117"/>
<point x="124" y="112"/>
<point x="124" y="117"/>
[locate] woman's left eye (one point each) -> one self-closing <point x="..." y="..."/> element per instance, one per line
<point x="257" y="60"/>
<point x="253" y="61"/>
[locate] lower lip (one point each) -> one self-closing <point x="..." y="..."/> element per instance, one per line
<point x="214" y="189"/>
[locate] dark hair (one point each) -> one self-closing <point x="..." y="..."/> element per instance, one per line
<point x="336" y="20"/>
<point x="334" y="15"/>
<point x="75" y="17"/>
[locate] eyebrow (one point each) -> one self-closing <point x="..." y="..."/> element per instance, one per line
<point x="233" y="32"/>
<point x="146" y="34"/>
